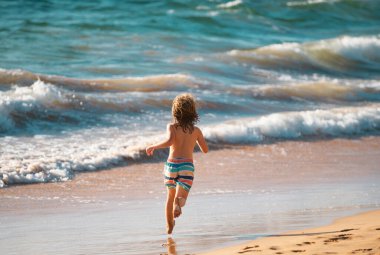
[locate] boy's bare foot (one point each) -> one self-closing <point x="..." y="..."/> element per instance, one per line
<point x="177" y="208"/>
<point x="170" y="227"/>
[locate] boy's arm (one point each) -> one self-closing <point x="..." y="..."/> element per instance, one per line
<point x="202" y="142"/>
<point x="167" y="143"/>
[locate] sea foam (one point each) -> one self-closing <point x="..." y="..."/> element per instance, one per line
<point x="297" y="125"/>
<point x="52" y="158"/>
<point x="230" y="4"/>
<point x="311" y="2"/>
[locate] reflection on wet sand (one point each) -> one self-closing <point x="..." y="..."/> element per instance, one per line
<point x="171" y="246"/>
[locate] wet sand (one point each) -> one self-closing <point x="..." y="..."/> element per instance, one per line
<point x="239" y="194"/>
<point x="359" y="234"/>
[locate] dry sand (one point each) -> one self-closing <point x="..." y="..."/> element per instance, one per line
<point x="359" y="234"/>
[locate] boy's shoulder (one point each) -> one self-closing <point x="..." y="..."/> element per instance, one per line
<point x="197" y="129"/>
<point x="170" y="125"/>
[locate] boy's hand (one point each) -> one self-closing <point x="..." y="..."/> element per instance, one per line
<point x="149" y="150"/>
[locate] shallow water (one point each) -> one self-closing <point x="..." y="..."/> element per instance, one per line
<point x="81" y="84"/>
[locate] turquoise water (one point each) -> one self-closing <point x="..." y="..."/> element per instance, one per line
<point x="87" y="85"/>
<point x="134" y="38"/>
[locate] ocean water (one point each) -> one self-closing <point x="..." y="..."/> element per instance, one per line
<point x="87" y="85"/>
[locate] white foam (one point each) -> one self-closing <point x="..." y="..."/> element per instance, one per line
<point x="230" y="4"/>
<point x="54" y="158"/>
<point x="292" y="125"/>
<point x="310" y="2"/>
<point x="23" y="99"/>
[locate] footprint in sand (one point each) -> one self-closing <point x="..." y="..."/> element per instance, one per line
<point x="361" y="250"/>
<point x="348" y="229"/>
<point x="305" y="243"/>
<point x="298" y="250"/>
<point x="249" y="249"/>
<point x="241" y="252"/>
<point x="309" y="243"/>
<point x="274" y="248"/>
<point x="338" y="238"/>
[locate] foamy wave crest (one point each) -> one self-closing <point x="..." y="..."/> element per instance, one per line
<point x="310" y="2"/>
<point x="230" y="4"/>
<point x="59" y="162"/>
<point x="163" y="82"/>
<point x="324" y="90"/>
<point x="297" y="125"/>
<point x="19" y="104"/>
<point x="342" y="54"/>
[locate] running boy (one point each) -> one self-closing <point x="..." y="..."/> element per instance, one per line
<point x="179" y="168"/>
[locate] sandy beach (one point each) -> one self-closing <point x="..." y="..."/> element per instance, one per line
<point x="239" y="194"/>
<point x="359" y="234"/>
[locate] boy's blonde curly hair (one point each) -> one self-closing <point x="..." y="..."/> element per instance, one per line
<point x="184" y="112"/>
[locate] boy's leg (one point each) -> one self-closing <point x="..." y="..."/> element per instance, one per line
<point x="179" y="200"/>
<point x="169" y="210"/>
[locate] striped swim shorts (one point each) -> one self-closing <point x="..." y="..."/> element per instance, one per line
<point x="179" y="171"/>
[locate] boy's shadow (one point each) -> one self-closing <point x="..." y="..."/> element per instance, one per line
<point x="171" y="246"/>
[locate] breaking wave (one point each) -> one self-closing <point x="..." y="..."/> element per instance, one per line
<point x="297" y="125"/>
<point x="59" y="158"/>
<point x="342" y="54"/>
<point x="27" y="98"/>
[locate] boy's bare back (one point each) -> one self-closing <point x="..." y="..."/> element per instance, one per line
<point x="183" y="143"/>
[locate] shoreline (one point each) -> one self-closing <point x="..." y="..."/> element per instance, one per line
<point x="357" y="234"/>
